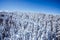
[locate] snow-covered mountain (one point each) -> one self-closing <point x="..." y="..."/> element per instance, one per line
<point x="29" y="26"/>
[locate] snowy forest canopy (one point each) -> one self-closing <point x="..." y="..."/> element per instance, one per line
<point x="29" y="26"/>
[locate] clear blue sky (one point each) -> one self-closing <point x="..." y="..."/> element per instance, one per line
<point x="43" y="6"/>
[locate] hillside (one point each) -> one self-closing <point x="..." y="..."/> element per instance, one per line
<point x="29" y="26"/>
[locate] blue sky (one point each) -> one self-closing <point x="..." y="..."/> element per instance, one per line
<point x="43" y="6"/>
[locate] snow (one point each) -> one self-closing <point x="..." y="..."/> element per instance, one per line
<point x="29" y="26"/>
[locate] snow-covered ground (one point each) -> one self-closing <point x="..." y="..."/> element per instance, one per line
<point x="29" y="26"/>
